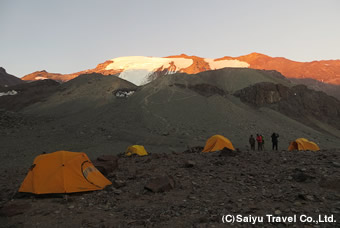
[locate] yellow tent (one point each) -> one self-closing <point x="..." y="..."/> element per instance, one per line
<point x="303" y="144"/>
<point x="217" y="142"/>
<point x="136" y="149"/>
<point x="63" y="172"/>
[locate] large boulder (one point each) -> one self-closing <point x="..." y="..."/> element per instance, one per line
<point x="106" y="164"/>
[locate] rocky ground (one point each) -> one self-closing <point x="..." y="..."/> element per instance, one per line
<point x="169" y="188"/>
<point x="188" y="189"/>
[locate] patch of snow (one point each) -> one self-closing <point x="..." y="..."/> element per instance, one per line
<point x="138" y="68"/>
<point x="124" y="93"/>
<point x="11" y="93"/>
<point x="40" y="78"/>
<point x="137" y="77"/>
<point x="215" y="65"/>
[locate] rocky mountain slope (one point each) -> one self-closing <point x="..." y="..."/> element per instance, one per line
<point x="327" y="71"/>
<point x="8" y="79"/>
<point x="26" y="94"/>
<point x="95" y="113"/>
<point x="173" y="116"/>
<point x="298" y="102"/>
<point x="84" y="93"/>
<point x="330" y="89"/>
<point x="141" y="70"/>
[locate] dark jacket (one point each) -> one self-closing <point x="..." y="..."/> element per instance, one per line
<point x="275" y="137"/>
<point x="252" y="141"/>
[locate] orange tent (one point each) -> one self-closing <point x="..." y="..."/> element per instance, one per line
<point x="303" y="144"/>
<point x="217" y="142"/>
<point x="63" y="172"/>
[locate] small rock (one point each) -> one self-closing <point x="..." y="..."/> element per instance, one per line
<point x="309" y="197"/>
<point x="117" y="191"/>
<point x="335" y="211"/>
<point x="225" y="152"/>
<point x="192" y="197"/>
<point x="277" y="212"/>
<point x="297" y="203"/>
<point x="189" y="164"/>
<point x="194" y="183"/>
<point x="219" y="163"/>
<point x="118" y="183"/>
<point x="13" y="209"/>
<point x="300" y="176"/>
<point x="160" y="184"/>
<point x="330" y="183"/>
<point x="336" y="164"/>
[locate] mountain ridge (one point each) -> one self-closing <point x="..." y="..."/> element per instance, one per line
<point x="323" y="75"/>
<point x="327" y="71"/>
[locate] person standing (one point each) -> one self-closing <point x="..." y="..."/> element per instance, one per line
<point x="262" y="142"/>
<point x="252" y="142"/>
<point x="259" y="142"/>
<point x="275" y="140"/>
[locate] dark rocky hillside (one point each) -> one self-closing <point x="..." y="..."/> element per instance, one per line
<point x="27" y="94"/>
<point x="298" y="102"/>
<point x="8" y="79"/>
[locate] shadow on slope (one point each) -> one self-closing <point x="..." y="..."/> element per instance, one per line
<point x="82" y="94"/>
<point x="298" y="102"/>
<point x="27" y="94"/>
<point x="330" y="89"/>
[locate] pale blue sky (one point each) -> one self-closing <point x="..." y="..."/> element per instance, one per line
<point x="67" y="36"/>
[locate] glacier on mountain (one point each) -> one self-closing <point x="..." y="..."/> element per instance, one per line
<point x="137" y="69"/>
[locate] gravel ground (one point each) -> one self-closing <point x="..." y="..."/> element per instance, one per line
<point x="189" y="189"/>
<point x="169" y="188"/>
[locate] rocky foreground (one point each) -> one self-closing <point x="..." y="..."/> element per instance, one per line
<point x="188" y="189"/>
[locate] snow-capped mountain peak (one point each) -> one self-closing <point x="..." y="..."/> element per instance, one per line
<point x="138" y="69"/>
<point x="141" y="70"/>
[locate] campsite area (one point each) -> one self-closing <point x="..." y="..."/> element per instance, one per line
<point x="174" y="114"/>
<point x="172" y="117"/>
<point x="195" y="190"/>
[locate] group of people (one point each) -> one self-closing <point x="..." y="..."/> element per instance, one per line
<point x="260" y="141"/>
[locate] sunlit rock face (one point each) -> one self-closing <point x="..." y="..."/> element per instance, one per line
<point x="141" y="69"/>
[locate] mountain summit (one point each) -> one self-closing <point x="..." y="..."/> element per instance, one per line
<point x="141" y="70"/>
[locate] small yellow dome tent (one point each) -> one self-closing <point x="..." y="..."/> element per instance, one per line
<point x="217" y="142"/>
<point x="136" y="149"/>
<point x="303" y="144"/>
<point x="63" y="172"/>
